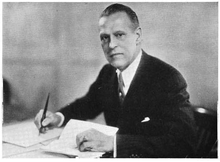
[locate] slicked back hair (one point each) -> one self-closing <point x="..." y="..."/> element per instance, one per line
<point x="114" y="8"/>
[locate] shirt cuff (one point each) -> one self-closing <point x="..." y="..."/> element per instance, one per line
<point x="62" y="119"/>
<point x="115" y="147"/>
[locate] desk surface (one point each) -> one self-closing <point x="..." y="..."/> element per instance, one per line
<point x="18" y="144"/>
<point x="14" y="151"/>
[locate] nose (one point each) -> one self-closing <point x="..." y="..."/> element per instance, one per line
<point x="112" y="43"/>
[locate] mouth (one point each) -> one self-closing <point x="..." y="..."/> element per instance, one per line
<point x="115" y="54"/>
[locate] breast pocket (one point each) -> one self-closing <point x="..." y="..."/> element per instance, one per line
<point x="150" y="126"/>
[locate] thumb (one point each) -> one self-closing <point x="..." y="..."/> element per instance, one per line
<point x="46" y="122"/>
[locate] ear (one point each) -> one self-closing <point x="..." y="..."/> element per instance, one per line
<point x="138" y="32"/>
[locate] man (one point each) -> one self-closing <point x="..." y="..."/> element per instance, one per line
<point x="150" y="106"/>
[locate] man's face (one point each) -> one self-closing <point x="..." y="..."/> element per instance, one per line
<point x="120" y="42"/>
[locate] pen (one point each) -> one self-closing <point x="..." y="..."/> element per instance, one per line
<point x="44" y="114"/>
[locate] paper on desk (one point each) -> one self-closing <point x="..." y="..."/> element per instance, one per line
<point x="26" y="134"/>
<point x="66" y="144"/>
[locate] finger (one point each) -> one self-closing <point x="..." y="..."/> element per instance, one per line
<point x="36" y="121"/>
<point x="80" y="139"/>
<point x="38" y="118"/>
<point x="43" y="130"/>
<point x="80" y="136"/>
<point x="46" y="122"/>
<point x="87" y="146"/>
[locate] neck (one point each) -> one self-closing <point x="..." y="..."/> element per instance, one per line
<point x="134" y="57"/>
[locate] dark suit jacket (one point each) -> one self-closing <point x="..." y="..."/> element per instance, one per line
<point x="158" y="91"/>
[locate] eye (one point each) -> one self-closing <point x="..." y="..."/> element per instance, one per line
<point x="104" y="38"/>
<point x="119" y="35"/>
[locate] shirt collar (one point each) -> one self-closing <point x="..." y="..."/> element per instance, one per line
<point x="130" y="71"/>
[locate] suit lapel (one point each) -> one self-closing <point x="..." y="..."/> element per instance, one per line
<point x="139" y="82"/>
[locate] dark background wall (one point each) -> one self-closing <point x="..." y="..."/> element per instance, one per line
<point x="55" y="47"/>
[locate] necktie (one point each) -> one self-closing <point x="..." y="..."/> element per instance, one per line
<point x="120" y="88"/>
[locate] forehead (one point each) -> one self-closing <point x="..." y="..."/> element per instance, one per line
<point x="116" y="21"/>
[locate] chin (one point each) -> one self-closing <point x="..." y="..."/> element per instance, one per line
<point x="118" y="66"/>
<point x="118" y="63"/>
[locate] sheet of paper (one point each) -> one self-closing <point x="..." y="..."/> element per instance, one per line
<point x="66" y="144"/>
<point x="26" y="134"/>
<point x="9" y="149"/>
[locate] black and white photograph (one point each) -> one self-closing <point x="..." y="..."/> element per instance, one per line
<point x="110" y="79"/>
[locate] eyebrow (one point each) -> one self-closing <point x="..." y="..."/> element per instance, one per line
<point x="103" y="34"/>
<point x="118" y="31"/>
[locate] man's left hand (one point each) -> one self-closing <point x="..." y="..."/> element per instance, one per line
<point x="93" y="140"/>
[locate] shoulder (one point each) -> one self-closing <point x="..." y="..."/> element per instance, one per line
<point x="161" y="71"/>
<point x="107" y="72"/>
<point x="107" y="69"/>
<point x="158" y="65"/>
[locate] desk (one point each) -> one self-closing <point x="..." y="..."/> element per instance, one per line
<point x="22" y="140"/>
<point x="13" y="151"/>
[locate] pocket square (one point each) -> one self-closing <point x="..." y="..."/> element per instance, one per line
<point x="146" y="119"/>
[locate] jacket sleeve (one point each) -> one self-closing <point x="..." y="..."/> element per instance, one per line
<point x="175" y="123"/>
<point x="86" y="107"/>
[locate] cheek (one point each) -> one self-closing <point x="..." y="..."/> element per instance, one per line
<point x="105" y="48"/>
<point x="132" y="46"/>
<point x="129" y="49"/>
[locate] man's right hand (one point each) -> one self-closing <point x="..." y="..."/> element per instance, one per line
<point x="52" y="120"/>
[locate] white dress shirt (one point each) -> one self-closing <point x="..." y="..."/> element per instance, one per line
<point x="129" y="72"/>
